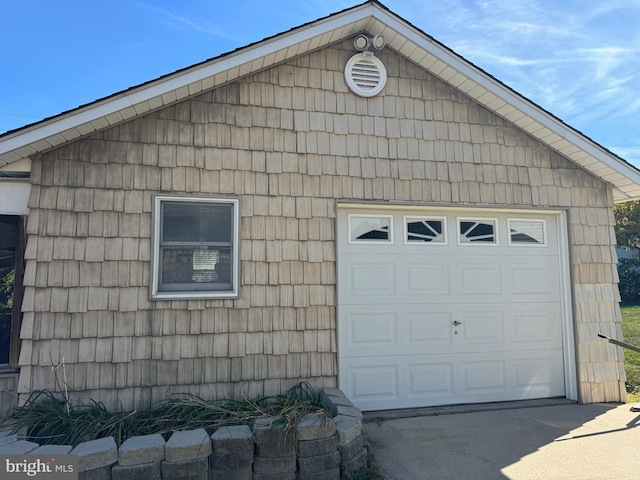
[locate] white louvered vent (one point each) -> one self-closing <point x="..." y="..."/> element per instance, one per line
<point x="365" y="74"/>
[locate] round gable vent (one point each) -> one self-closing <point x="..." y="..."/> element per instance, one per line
<point x="365" y="74"/>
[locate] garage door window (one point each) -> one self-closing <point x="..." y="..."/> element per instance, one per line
<point x="421" y="230"/>
<point x="527" y="232"/>
<point x="370" y="229"/>
<point x="477" y="231"/>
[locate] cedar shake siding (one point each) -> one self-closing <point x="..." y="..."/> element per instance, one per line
<point x="288" y="143"/>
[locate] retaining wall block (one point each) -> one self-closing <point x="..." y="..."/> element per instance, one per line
<point x="188" y="445"/>
<point x="270" y="438"/>
<point x="277" y="476"/>
<point x="196" y="469"/>
<point x="321" y="446"/>
<point x="326" y="475"/>
<point x="142" y="449"/>
<point x="102" y="473"/>
<point x="274" y="465"/>
<point x="6" y="439"/>
<point x="347" y="452"/>
<point x="348" y="428"/>
<point x="356" y="463"/>
<point x="348" y="411"/>
<point x="319" y="463"/>
<point x="232" y="448"/>
<point x="315" y="425"/>
<point x="140" y="471"/>
<point x="95" y="454"/>
<point x="18" y="447"/>
<point x="333" y="403"/>
<point x="327" y="392"/>
<point x="244" y="473"/>
<point x="52" y="450"/>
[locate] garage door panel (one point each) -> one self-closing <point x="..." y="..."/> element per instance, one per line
<point x="382" y="331"/>
<point x="480" y="279"/>
<point x="536" y="374"/>
<point x="371" y="279"/>
<point x="537" y="325"/>
<point x="373" y="329"/>
<point x="375" y="381"/>
<point x="422" y="324"/>
<point x="533" y="280"/>
<point x="429" y="329"/>
<point x="530" y="280"/>
<point x="482" y="377"/>
<point x="430" y="379"/>
<point x="414" y="329"/>
<point x="396" y="382"/>
<point x="405" y="382"/>
<point x="481" y="328"/>
<point x="426" y="279"/>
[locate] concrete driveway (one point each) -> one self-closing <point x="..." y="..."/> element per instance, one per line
<point x="555" y="442"/>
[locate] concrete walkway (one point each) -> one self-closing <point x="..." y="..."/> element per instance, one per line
<point x="560" y="442"/>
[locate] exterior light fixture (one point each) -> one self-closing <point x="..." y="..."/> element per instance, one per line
<point x="365" y="73"/>
<point x="362" y="42"/>
<point x="378" y="42"/>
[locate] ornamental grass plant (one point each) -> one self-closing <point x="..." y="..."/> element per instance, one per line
<point x="49" y="420"/>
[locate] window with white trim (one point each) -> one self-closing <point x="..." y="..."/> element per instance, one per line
<point x="370" y="228"/>
<point x="420" y="230"/>
<point x="195" y="248"/>
<point x="481" y="231"/>
<point x="527" y="232"/>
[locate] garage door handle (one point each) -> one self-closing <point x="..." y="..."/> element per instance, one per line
<point x="456" y="323"/>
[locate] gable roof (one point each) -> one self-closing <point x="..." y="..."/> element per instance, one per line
<point x="372" y="17"/>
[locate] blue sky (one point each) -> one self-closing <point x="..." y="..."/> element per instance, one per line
<point x="577" y="59"/>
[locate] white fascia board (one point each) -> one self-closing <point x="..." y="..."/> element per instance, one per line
<point x="23" y="165"/>
<point x="167" y="87"/>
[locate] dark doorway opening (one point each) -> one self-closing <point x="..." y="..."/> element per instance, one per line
<point x="12" y="241"/>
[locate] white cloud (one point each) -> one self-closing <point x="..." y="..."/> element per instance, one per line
<point x="197" y="23"/>
<point x="576" y="59"/>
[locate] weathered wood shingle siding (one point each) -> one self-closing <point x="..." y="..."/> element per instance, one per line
<point x="288" y="142"/>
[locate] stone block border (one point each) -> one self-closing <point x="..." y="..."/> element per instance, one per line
<point x="327" y="448"/>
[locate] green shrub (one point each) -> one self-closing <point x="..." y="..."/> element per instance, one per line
<point x="631" y="333"/>
<point x="6" y="290"/>
<point x="629" y="273"/>
<point x="51" y="421"/>
<point x="370" y="472"/>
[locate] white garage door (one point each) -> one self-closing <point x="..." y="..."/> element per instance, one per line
<point x="449" y="306"/>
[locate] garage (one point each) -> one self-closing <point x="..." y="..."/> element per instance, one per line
<point x="450" y="306"/>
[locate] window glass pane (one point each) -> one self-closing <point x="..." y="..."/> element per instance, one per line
<point x="527" y="231"/>
<point x="367" y="228"/>
<point x="197" y="222"/>
<point x="480" y="231"/>
<point x="193" y="267"/>
<point x="195" y="248"/>
<point x="425" y="230"/>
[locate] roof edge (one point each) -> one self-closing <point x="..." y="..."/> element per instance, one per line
<point x="138" y="94"/>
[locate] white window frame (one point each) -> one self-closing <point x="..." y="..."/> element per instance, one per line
<point x="496" y="236"/>
<point x="389" y="241"/>
<point x="156" y="294"/>
<point x="524" y="244"/>
<point x="407" y="218"/>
